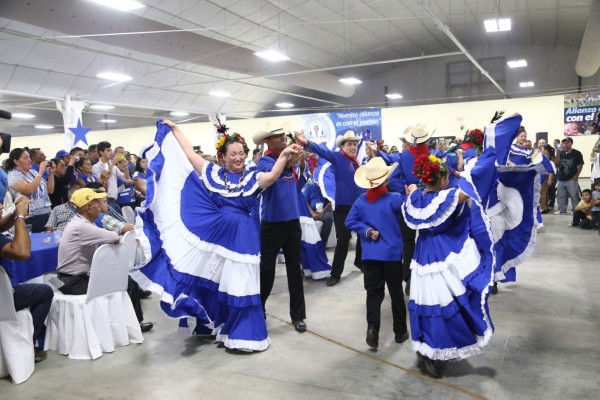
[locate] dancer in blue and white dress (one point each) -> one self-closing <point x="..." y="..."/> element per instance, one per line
<point x="453" y="263"/>
<point x="200" y="239"/>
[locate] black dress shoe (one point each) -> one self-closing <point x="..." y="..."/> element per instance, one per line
<point x="372" y="337"/>
<point x="146" y="326"/>
<point x="401" y="338"/>
<point x="429" y="366"/>
<point x="144" y="294"/>
<point x="333" y="280"/>
<point x="495" y="288"/>
<point x="300" y="326"/>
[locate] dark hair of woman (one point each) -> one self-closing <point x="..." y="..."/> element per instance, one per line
<point x="138" y="165"/>
<point x="14" y="155"/>
<point x="550" y="150"/>
<point x="79" y="163"/>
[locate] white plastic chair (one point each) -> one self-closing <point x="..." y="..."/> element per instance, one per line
<point x="128" y="214"/>
<point x="331" y="241"/>
<point x="16" y="336"/>
<point x="83" y="327"/>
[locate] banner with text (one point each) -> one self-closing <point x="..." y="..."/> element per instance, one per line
<point x="581" y="110"/>
<point x="325" y="127"/>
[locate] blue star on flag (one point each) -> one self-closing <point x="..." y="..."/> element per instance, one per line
<point x="80" y="132"/>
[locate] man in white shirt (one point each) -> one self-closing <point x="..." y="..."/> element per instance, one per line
<point x="105" y="172"/>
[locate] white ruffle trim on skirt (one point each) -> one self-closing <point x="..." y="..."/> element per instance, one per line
<point x="455" y="353"/>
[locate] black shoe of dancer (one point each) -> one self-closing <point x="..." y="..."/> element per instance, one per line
<point x="495" y="288"/>
<point x="429" y="366"/>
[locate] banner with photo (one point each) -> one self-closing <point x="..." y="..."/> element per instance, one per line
<point x="581" y="110"/>
<point x="325" y="127"/>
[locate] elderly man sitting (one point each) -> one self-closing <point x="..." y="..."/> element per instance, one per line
<point x="80" y="240"/>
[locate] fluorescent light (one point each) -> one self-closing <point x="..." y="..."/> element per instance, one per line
<point x="393" y="96"/>
<point x="122" y="5"/>
<point x="114" y="76"/>
<point x="497" y="25"/>
<point x="44" y="127"/>
<point x="219" y="93"/>
<point x="284" y="105"/>
<point x="517" y="63"/>
<point x="350" y="81"/>
<point x="179" y="113"/>
<point x="108" y="121"/>
<point x="272" y="55"/>
<point x="23" y="116"/>
<point x="102" y="107"/>
<point x="526" y="84"/>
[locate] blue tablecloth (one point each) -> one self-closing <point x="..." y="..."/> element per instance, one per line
<point x="44" y="258"/>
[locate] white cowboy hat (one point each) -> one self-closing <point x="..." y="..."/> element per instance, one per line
<point x="349" y="136"/>
<point x="373" y="173"/>
<point x="260" y="136"/>
<point x="417" y="134"/>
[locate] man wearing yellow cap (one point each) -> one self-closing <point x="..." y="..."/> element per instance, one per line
<point x="80" y="240"/>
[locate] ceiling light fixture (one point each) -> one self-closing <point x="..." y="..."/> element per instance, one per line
<point x="497" y="25"/>
<point x="284" y="105"/>
<point x="179" y="113"/>
<point x="114" y="76"/>
<point x="121" y="5"/>
<point x="517" y="63"/>
<point x="350" y="81"/>
<point x="393" y="96"/>
<point x="272" y="55"/>
<point x="44" y="127"/>
<point x="219" y="93"/>
<point x="23" y="116"/>
<point x="102" y="107"/>
<point x="526" y="84"/>
<point x="108" y="121"/>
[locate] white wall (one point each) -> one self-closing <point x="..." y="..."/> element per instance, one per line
<point x="540" y="114"/>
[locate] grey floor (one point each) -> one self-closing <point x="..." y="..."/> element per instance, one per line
<point x="546" y="345"/>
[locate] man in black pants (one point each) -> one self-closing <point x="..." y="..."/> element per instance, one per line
<point x="280" y="226"/>
<point x="344" y="163"/>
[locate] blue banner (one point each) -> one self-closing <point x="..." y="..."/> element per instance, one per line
<point x="325" y="127"/>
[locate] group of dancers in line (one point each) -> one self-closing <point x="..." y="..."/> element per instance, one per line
<point x="199" y="230"/>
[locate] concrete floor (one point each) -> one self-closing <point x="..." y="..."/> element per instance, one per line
<point x="546" y="345"/>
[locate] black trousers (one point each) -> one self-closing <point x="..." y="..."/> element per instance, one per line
<point x="343" y="235"/>
<point x="376" y="275"/>
<point x="409" y="236"/>
<point x="286" y="236"/>
<point x="78" y="284"/>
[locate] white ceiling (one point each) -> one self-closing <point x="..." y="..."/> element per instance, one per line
<point x="179" y="50"/>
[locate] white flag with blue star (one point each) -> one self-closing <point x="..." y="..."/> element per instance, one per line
<point x="74" y="130"/>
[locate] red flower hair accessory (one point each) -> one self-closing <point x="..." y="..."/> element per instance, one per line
<point x="429" y="168"/>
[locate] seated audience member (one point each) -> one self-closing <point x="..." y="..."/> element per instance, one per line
<point x="80" y="240"/>
<point x="83" y="168"/>
<point x="61" y="215"/>
<point x="126" y="194"/>
<point x="582" y="216"/>
<point x="110" y="210"/>
<point x="36" y="297"/>
<point x="139" y="176"/>
<point x="63" y="175"/>
<point x="312" y="194"/>
<point x="596" y="205"/>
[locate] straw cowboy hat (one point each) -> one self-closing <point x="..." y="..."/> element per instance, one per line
<point x="416" y="134"/>
<point x="260" y="136"/>
<point x="373" y="173"/>
<point x="349" y="136"/>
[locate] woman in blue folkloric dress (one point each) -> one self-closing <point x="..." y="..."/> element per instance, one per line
<point x="200" y="239"/>
<point x="453" y="262"/>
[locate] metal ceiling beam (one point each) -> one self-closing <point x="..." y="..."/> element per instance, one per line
<point x="444" y="28"/>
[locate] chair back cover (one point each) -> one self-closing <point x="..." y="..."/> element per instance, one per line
<point x="128" y="214"/>
<point x="7" y="304"/>
<point x="109" y="271"/>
